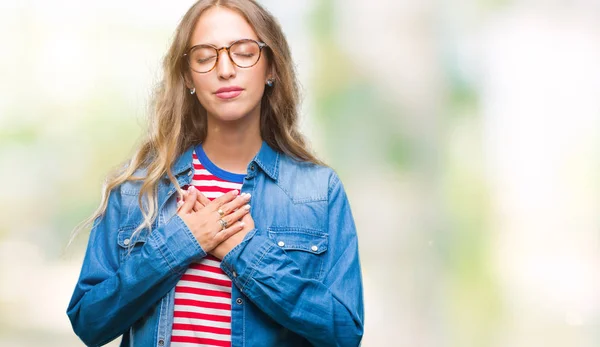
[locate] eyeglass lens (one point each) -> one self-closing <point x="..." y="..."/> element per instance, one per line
<point x="242" y="53"/>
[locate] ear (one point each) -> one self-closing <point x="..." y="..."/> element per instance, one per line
<point x="187" y="79"/>
<point x="270" y="73"/>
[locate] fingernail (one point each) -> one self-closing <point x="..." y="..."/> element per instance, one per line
<point x="179" y="204"/>
<point x="242" y="224"/>
<point x="247" y="207"/>
<point x="247" y="196"/>
<point x="234" y="192"/>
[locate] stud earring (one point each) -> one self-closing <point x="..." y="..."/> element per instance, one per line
<point x="192" y="91"/>
<point x="270" y="82"/>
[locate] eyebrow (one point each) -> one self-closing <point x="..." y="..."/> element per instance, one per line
<point x="229" y="44"/>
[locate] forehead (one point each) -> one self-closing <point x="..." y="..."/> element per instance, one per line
<point x="220" y="26"/>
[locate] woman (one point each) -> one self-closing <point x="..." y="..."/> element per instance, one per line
<point x="176" y="256"/>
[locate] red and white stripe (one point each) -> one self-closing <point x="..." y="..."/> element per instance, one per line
<point x="202" y="315"/>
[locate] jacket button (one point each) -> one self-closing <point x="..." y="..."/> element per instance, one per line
<point x="234" y="274"/>
<point x="126" y="242"/>
<point x="239" y="301"/>
<point x="252" y="167"/>
<point x="161" y="342"/>
<point x="314" y="248"/>
<point x="280" y="243"/>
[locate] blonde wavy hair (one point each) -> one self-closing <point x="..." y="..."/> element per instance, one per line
<point x="177" y="120"/>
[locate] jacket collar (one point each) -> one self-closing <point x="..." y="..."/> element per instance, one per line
<point x="266" y="158"/>
<point x="184" y="162"/>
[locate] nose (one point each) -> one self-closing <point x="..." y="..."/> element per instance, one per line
<point x="225" y="67"/>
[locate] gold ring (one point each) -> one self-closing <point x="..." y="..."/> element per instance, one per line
<point x="220" y="212"/>
<point x="223" y="224"/>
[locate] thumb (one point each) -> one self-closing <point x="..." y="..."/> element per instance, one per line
<point x="190" y="200"/>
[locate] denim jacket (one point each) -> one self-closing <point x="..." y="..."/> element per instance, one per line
<point x="296" y="276"/>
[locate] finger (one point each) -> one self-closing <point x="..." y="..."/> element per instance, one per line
<point x="188" y="204"/>
<point x="235" y="203"/>
<point x="236" y="215"/>
<point x="203" y="199"/>
<point x="182" y="197"/>
<point x="198" y="206"/>
<point x="223" y="199"/>
<point x="229" y="231"/>
<point x="200" y="198"/>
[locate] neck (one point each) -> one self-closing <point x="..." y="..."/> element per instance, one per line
<point x="232" y="145"/>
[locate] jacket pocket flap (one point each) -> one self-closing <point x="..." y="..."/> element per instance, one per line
<point x="126" y="239"/>
<point x="307" y="240"/>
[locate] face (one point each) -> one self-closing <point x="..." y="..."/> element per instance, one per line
<point x="220" y="27"/>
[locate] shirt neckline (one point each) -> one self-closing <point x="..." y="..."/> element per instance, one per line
<point x="215" y="170"/>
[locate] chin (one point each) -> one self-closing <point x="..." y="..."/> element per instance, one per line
<point x="230" y="115"/>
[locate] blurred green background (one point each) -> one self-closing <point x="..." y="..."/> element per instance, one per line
<point x="466" y="134"/>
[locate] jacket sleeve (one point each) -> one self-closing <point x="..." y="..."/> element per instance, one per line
<point x="326" y="313"/>
<point x="110" y="294"/>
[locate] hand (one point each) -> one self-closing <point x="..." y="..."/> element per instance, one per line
<point x="227" y="245"/>
<point x="202" y="200"/>
<point x="203" y="220"/>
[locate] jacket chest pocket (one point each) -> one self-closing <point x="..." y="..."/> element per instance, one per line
<point x="130" y="242"/>
<point x="306" y="247"/>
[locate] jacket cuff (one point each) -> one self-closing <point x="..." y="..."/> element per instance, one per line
<point x="177" y="245"/>
<point x="243" y="260"/>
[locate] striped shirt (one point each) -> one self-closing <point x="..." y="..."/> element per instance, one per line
<point x="202" y="314"/>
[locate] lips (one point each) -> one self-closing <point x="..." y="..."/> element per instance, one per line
<point x="229" y="92"/>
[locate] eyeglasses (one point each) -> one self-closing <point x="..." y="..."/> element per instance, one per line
<point x="243" y="53"/>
